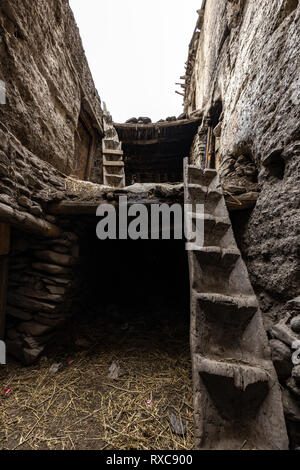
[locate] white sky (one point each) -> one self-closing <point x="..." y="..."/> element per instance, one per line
<point x="136" y="50"/>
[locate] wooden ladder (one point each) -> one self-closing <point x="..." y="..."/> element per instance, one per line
<point x="113" y="164"/>
<point x="237" y="399"/>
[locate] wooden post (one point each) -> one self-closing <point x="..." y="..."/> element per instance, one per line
<point x="210" y="149"/>
<point x="4" y="252"/>
<point x="207" y="150"/>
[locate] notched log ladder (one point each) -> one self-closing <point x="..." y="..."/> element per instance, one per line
<point x="113" y="164"/>
<point x="237" y="400"/>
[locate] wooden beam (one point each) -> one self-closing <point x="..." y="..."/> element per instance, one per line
<point x="242" y="201"/>
<point x="28" y="223"/>
<point x="76" y="207"/>
<point x="112" y="152"/>
<point x="113" y="163"/>
<point x="234" y="203"/>
<point x="157" y="125"/>
<point x="176" y="139"/>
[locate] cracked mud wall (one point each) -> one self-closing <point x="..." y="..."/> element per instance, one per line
<point x="47" y="78"/>
<point x="247" y="56"/>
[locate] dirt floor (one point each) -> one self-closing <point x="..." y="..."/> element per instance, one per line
<point x="80" y="407"/>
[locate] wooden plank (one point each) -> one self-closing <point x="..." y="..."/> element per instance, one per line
<point x="115" y="176"/>
<point x="76" y="207"/>
<point x="234" y="203"/>
<point x="112" y="163"/>
<point x="208" y="148"/>
<point x="112" y="152"/>
<point x="28" y="223"/>
<point x="179" y="140"/>
<point x="4" y="239"/>
<point x="92" y="146"/>
<point x="242" y="201"/>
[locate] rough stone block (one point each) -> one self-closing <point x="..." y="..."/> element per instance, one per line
<point x="281" y="356"/>
<point x="295" y="324"/>
<point x="33" y="328"/>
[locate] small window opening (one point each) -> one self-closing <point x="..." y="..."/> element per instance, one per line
<point x="276" y="165"/>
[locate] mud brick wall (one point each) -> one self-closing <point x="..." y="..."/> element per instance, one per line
<point x="47" y="78"/>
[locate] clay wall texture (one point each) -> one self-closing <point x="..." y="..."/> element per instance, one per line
<point x="47" y="78"/>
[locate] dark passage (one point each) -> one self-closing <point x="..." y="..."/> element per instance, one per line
<point x="135" y="277"/>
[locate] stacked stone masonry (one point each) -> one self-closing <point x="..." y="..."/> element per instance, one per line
<point x="41" y="288"/>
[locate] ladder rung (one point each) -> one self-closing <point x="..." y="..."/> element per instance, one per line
<point x="112" y="163"/>
<point x="108" y="175"/>
<point x="112" y="152"/>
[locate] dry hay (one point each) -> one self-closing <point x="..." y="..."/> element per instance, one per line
<point x="84" y="189"/>
<point x="81" y="408"/>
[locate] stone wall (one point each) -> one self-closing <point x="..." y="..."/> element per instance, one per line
<point x="47" y="78"/>
<point x="27" y="184"/>
<point x="43" y="255"/>
<point x="40" y="293"/>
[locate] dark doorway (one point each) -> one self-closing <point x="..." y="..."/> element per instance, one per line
<point x="135" y="276"/>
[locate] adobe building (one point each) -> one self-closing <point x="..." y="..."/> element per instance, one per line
<point x="235" y="149"/>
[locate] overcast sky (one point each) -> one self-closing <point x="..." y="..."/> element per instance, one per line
<point x="136" y="50"/>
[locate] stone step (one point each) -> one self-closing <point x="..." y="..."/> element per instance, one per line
<point x="198" y="176"/>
